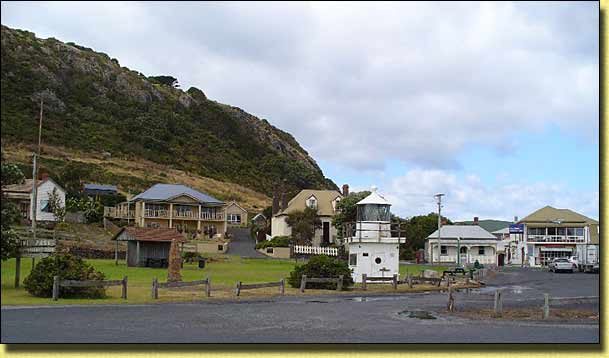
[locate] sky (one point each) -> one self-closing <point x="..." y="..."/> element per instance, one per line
<point x="496" y="105"/>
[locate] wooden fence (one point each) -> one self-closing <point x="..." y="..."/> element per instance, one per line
<point x="315" y="250"/>
<point x="241" y="286"/>
<point x="57" y="283"/>
<point x="305" y="279"/>
<point x="156" y="285"/>
<point x="370" y="279"/>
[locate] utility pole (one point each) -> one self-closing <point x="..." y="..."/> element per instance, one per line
<point x="439" y="201"/>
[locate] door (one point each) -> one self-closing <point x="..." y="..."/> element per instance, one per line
<point x="501" y="259"/>
<point x="325" y="239"/>
<point x="463" y="256"/>
<point x="379" y="265"/>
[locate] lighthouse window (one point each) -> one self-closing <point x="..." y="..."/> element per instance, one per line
<point x="353" y="260"/>
<point x="365" y="254"/>
<point x="377" y="260"/>
<point x="373" y="212"/>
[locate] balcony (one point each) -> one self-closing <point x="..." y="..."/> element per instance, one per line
<point x="556" y="239"/>
<point x="118" y="213"/>
<point x="185" y="214"/>
<point x="156" y="213"/>
<point x="210" y="216"/>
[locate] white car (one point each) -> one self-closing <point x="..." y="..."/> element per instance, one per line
<point x="573" y="260"/>
<point x="560" y="264"/>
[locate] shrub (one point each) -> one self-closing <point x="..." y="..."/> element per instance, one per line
<point x="191" y="256"/>
<point x="68" y="267"/>
<point x="277" y="241"/>
<point x="321" y="266"/>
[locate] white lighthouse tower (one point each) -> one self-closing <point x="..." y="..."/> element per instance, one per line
<point x="372" y="249"/>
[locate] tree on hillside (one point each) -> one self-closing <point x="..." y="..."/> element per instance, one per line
<point x="346" y="210"/>
<point x="165" y="80"/>
<point x="10" y="214"/>
<point x="417" y="229"/>
<point x="303" y="224"/>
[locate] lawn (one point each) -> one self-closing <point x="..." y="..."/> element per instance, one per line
<point x="223" y="270"/>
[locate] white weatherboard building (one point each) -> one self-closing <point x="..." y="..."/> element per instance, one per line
<point x="462" y="244"/>
<point x="372" y="250"/>
<point x="22" y="196"/>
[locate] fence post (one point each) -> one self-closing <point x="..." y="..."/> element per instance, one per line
<point x="238" y="289"/>
<point x="207" y="287"/>
<point x="546" y="306"/>
<point x="282" y="286"/>
<point x="364" y="283"/>
<point x="124" y="291"/>
<point x="155" y="289"/>
<point x="55" y="288"/>
<point x="451" y="300"/>
<point x="409" y="278"/>
<point x="498" y="307"/>
<point x="303" y="283"/>
<point x="394" y="283"/>
<point x="339" y="284"/>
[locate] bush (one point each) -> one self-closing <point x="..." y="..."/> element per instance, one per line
<point x="321" y="266"/>
<point x="277" y="241"/>
<point x="191" y="256"/>
<point x="68" y="267"/>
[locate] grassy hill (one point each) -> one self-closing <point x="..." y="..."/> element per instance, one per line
<point x="93" y="105"/>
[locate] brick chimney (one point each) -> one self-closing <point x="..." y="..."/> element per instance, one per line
<point x="284" y="200"/>
<point x="345" y="189"/>
<point x="475" y="220"/>
<point x="515" y="219"/>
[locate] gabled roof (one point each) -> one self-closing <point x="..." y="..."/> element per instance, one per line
<point x="237" y="205"/>
<point x="170" y="191"/>
<point x="465" y="232"/>
<point x="150" y="234"/>
<point x="104" y="187"/>
<point x="259" y="215"/>
<point x="374" y="198"/>
<point x="549" y="214"/>
<point x="26" y="186"/>
<point x="324" y="201"/>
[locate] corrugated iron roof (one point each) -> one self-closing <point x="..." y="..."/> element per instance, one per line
<point x="548" y="214"/>
<point x="169" y="191"/>
<point x="106" y="187"/>
<point x="464" y="232"/>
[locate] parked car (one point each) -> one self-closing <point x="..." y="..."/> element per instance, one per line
<point x="560" y="264"/>
<point x="573" y="260"/>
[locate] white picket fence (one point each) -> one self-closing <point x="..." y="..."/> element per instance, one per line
<point x="315" y="250"/>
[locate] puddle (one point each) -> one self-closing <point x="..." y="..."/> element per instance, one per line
<point x="491" y="290"/>
<point x="417" y="314"/>
<point x="315" y="301"/>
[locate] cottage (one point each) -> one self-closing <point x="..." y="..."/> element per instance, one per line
<point x="259" y="220"/>
<point x="22" y="196"/>
<point x="147" y="247"/>
<point x="236" y="215"/>
<point x="324" y="201"/>
<point x="462" y="245"/>
<point x="174" y="206"/>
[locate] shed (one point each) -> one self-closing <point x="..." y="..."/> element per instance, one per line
<point x="148" y="247"/>
<point x="99" y="189"/>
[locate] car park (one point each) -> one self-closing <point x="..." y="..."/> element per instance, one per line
<point x="561" y="264"/>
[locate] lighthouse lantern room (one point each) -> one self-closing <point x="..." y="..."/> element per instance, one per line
<point x="372" y="249"/>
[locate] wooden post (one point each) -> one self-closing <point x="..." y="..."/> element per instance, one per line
<point x="208" y="287"/>
<point x="546" y="306"/>
<point x="339" y="284"/>
<point x="303" y="283"/>
<point x="17" y="270"/>
<point x="498" y="307"/>
<point x="55" y="288"/>
<point x="394" y="283"/>
<point x="451" y="300"/>
<point x="409" y="278"/>
<point x="124" y="290"/>
<point x="238" y="289"/>
<point x="155" y="289"/>
<point x="282" y="286"/>
<point x="33" y="262"/>
<point x="115" y="251"/>
<point x="364" y="284"/>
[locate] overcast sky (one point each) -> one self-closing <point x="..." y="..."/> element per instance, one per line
<point x="494" y="104"/>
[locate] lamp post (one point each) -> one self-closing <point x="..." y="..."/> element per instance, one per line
<point x="439" y="202"/>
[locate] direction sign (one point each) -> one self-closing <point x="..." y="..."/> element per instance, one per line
<point x="36" y="248"/>
<point x="517" y="229"/>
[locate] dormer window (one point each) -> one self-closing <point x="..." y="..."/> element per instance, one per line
<point x="312" y="202"/>
<point x="335" y="203"/>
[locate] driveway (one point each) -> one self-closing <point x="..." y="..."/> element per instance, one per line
<point x="242" y="244"/>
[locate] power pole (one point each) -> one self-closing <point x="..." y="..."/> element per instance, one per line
<point x="439" y="201"/>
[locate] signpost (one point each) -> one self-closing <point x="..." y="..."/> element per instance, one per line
<point x="517" y="229"/>
<point x="33" y="248"/>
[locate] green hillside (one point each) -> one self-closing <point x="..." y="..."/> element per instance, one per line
<point x="94" y="105"/>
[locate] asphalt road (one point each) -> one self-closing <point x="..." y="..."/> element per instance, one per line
<point x="242" y="244"/>
<point x="293" y="319"/>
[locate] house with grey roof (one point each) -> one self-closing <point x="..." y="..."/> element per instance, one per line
<point x="93" y="189"/>
<point x="462" y="244"/>
<point x="192" y="212"/>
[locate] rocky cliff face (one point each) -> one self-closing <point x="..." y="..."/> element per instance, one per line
<point x="95" y="105"/>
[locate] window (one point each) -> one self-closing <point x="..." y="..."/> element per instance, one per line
<point x="560" y="231"/>
<point x="480" y="250"/>
<point x="352" y="259"/>
<point x="537" y="231"/>
<point x="443" y="250"/>
<point x="153" y="225"/>
<point x="374" y="212"/>
<point x="575" y="231"/>
<point x="365" y="254"/>
<point x="44" y="206"/>
<point x="312" y="203"/>
<point x="234" y="218"/>
<point x="378" y="260"/>
<point x="551" y="231"/>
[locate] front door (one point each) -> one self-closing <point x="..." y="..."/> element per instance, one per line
<point x="379" y="265"/>
<point x="501" y="258"/>
<point x="463" y="256"/>
<point x="325" y="239"/>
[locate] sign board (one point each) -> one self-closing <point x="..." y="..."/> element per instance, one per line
<point x="517" y="229"/>
<point x="36" y="248"/>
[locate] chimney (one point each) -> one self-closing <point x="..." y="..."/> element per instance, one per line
<point x="275" y="209"/>
<point x="44" y="176"/>
<point x="345" y="189"/>
<point x="284" y="201"/>
<point x="475" y="220"/>
<point x="515" y="219"/>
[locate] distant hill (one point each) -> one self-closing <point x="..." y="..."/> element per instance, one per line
<point x="93" y="106"/>
<point x="488" y="225"/>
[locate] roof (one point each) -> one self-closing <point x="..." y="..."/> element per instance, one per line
<point x="374" y="198"/>
<point x="464" y="232"/>
<point x="259" y="215"/>
<point x="505" y="230"/>
<point x="489" y="225"/>
<point x="26" y="186"/>
<point x="151" y="234"/>
<point x="549" y="214"/>
<point x="170" y="191"/>
<point x="237" y="205"/>
<point x="324" y="201"/>
<point x="104" y="187"/>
